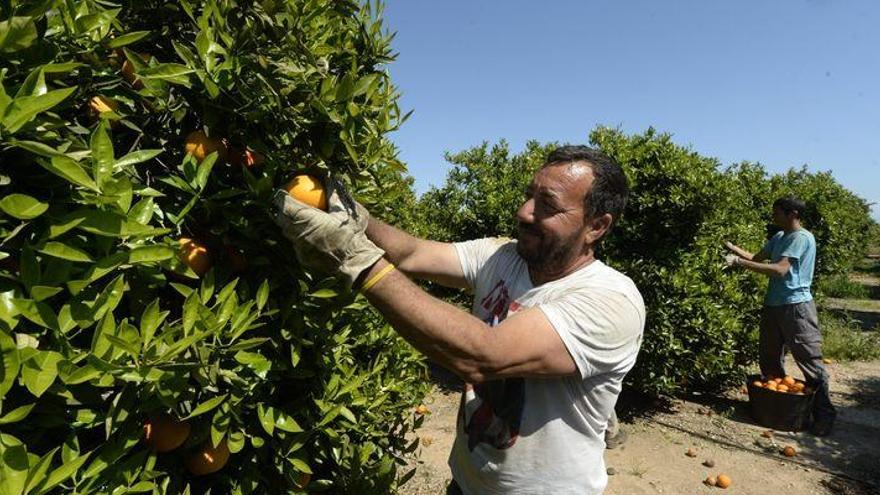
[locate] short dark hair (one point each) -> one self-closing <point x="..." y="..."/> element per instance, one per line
<point x="790" y="204"/>
<point x="610" y="188"/>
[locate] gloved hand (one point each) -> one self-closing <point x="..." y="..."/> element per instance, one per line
<point x="340" y="200"/>
<point x="731" y="260"/>
<point x="331" y="242"/>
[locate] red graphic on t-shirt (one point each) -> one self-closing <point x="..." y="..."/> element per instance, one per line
<point x="496" y="300"/>
<point x="496" y="418"/>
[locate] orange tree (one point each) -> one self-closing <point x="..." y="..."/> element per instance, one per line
<point x="156" y="333"/>
<point x="701" y="327"/>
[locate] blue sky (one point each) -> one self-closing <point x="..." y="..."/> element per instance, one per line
<point x="784" y="83"/>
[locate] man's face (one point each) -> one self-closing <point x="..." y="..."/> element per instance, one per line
<point x="552" y="229"/>
<point x="780" y="219"/>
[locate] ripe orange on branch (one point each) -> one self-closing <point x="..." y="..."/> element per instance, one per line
<point x="194" y="255"/>
<point x="162" y="433"/>
<point x="200" y="145"/>
<point x="208" y="459"/>
<point x="101" y="104"/>
<point x="308" y="190"/>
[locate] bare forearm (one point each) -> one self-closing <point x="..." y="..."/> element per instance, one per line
<point x="742" y="253"/>
<point x="449" y="336"/>
<point x="771" y="270"/>
<point x="397" y="244"/>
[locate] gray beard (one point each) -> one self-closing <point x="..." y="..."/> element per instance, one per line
<point x="546" y="258"/>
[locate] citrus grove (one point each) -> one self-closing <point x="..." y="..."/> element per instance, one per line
<point x="156" y="332"/>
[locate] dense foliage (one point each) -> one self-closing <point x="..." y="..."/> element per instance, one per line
<point x="107" y="319"/>
<point x="702" y="317"/>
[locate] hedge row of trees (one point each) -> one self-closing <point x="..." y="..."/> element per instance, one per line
<point x="701" y="327"/>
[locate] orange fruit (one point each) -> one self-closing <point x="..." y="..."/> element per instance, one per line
<point x="757" y="383"/>
<point x="771" y="386"/>
<point x="789" y="451"/>
<point x="782" y="388"/>
<point x="200" y="145"/>
<point x="101" y="104"/>
<point x="788" y="380"/>
<point x="827" y="360"/>
<point x="422" y="410"/>
<point x="162" y="433"/>
<point x="309" y="190"/>
<point x="194" y="255"/>
<point x="723" y="481"/>
<point x="777" y="380"/>
<point x="208" y="459"/>
<point x="302" y="480"/>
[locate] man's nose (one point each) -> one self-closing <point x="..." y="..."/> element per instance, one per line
<point x="526" y="212"/>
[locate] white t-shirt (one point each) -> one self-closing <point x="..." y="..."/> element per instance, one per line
<point x="545" y="435"/>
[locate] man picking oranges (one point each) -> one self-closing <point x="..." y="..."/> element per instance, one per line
<point x="789" y="316"/>
<point x="551" y="334"/>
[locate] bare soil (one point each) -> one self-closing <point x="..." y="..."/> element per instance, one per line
<point x="717" y="428"/>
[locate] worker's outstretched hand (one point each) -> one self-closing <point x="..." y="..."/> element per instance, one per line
<point x="331" y="242"/>
<point x="341" y="201"/>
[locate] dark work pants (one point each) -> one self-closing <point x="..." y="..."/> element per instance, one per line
<point x="796" y="326"/>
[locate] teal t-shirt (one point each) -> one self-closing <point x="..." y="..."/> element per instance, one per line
<point x="800" y="248"/>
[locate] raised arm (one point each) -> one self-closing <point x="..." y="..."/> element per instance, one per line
<point x="742" y="253"/>
<point x="419" y="258"/>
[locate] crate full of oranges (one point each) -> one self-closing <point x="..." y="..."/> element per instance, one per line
<point x="785" y="385"/>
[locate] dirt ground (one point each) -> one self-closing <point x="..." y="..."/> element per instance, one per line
<point x="717" y="428"/>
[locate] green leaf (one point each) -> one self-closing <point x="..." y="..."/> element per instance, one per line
<point x="255" y="361"/>
<point x="263" y="294"/>
<point x="102" y="154"/>
<point x="136" y="157"/>
<point x="98" y="21"/>
<point x="235" y="441"/>
<point x="22" y="206"/>
<point x="37" y="312"/>
<point x="40" y="371"/>
<point x="172" y="73"/>
<point x="63" y="251"/>
<point x="66" y="168"/>
<point x="38" y="471"/>
<point x="150" y="254"/>
<point x="190" y="312"/>
<point x="17" y="414"/>
<point x="207" y="406"/>
<point x="62" y="473"/>
<point x="17" y="33"/>
<point x="127" y="39"/>
<point x="42" y="292"/>
<point x="205" y="170"/>
<point x="323" y="293"/>
<point x="9" y="363"/>
<point x="22" y="110"/>
<point x="40" y="149"/>
<point x="151" y="319"/>
<point x="14" y="465"/>
<point x="271" y="418"/>
<point x="61" y="68"/>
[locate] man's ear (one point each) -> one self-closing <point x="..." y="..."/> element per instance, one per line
<point x="598" y="227"/>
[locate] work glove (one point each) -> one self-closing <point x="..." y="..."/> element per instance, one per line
<point x="331" y="242"/>
<point x="340" y="200"/>
<point x="731" y="260"/>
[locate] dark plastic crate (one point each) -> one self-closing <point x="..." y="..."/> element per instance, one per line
<point x="779" y="411"/>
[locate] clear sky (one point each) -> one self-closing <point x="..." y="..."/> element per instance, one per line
<point x="784" y="83"/>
